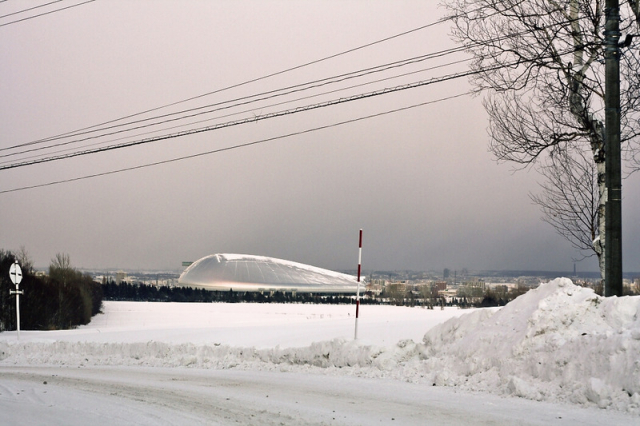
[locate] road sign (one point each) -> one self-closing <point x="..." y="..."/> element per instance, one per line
<point x="15" y="272"/>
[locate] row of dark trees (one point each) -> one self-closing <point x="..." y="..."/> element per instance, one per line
<point x="139" y="292"/>
<point x="489" y="298"/>
<point x="150" y="293"/>
<point x="64" y="299"/>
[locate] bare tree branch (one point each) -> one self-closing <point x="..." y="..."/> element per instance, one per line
<point x="541" y="64"/>
<point x="569" y="198"/>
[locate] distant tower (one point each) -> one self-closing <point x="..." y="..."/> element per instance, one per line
<point x="574" y="270"/>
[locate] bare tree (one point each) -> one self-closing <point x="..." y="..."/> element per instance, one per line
<point x="24" y="258"/>
<point x="61" y="270"/>
<point x="541" y="64"/>
<point x="569" y="199"/>
<point x="61" y="261"/>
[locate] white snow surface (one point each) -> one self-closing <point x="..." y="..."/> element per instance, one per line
<point x="557" y="342"/>
<point x="560" y="354"/>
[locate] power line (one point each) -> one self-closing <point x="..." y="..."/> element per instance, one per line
<point x="306" y="108"/>
<point x="244" y="121"/>
<point x="243" y="111"/>
<point x="434" y="23"/>
<point x="46" y="13"/>
<point x="268" y="115"/>
<point x="256" y="97"/>
<point x="31" y="8"/>
<point x="274" y="93"/>
<point x="244" y="145"/>
<point x="233" y="86"/>
<point x="233" y="102"/>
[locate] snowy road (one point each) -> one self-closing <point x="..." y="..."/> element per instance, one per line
<point x="156" y="396"/>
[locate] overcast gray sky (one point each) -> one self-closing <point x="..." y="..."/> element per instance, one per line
<point x="421" y="182"/>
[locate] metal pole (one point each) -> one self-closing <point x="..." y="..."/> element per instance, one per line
<point x="18" y="308"/>
<point x="613" y="180"/>
<point x="17" y="293"/>
<point x="358" y="290"/>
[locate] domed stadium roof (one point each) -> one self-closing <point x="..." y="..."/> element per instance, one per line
<point x="241" y="272"/>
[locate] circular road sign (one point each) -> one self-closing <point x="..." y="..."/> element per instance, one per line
<point x="15" y="272"/>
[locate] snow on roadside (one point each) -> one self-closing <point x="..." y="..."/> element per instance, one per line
<point x="559" y="342"/>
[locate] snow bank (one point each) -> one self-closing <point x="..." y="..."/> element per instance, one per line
<point x="558" y="342"/>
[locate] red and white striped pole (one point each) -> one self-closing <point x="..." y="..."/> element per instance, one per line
<point x="358" y="290"/>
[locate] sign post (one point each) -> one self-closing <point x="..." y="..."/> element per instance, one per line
<point x="15" y="273"/>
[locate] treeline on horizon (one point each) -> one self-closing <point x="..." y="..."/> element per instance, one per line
<point x="65" y="299"/>
<point x="140" y="292"/>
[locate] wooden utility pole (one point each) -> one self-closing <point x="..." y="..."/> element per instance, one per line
<point x="613" y="180"/>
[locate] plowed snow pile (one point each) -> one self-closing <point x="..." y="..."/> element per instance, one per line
<point x="559" y="342"/>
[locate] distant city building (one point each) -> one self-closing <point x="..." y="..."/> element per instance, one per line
<point x="374" y="286"/>
<point x="397" y="287"/>
<point x="121" y="276"/>
<point x="502" y="286"/>
<point x="472" y="289"/>
<point x="449" y="294"/>
<point x="440" y="285"/>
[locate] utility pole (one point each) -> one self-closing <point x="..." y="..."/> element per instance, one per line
<point x="613" y="180"/>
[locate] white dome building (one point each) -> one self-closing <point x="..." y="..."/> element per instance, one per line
<point x="242" y="272"/>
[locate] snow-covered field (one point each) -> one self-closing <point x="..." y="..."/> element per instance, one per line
<point x="557" y="355"/>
